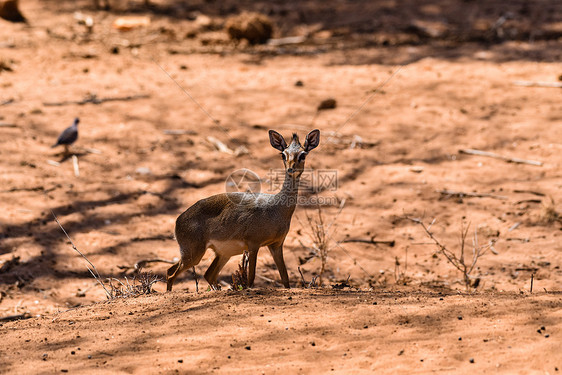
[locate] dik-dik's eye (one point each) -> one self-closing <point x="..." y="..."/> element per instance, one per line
<point x="302" y="156"/>
<point x="284" y="156"/>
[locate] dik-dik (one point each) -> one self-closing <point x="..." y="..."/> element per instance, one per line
<point x="231" y="223"/>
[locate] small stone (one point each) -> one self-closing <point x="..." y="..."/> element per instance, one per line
<point x="313" y="343"/>
<point x="143" y="170"/>
<point x="89" y="357"/>
<point x="459" y="317"/>
<point x="471" y="360"/>
<point x="460" y="338"/>
<point x="329" y="103"/>
<point x="365" y="326"/>
<point x="547" y="335"/>
<point x="73" y="352"/>
<point x="299" y="83"/>
<point x="543" y="328"/>
<point x="374" y="303"/>
<point x="248" y="347"/>
<point x="180" y="360"/>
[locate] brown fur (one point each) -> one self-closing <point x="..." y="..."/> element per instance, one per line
<point x="230" y="223"/>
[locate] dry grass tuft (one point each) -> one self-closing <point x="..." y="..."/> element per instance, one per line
<point x="240" y="277"/>
<point x="548" y="214"/>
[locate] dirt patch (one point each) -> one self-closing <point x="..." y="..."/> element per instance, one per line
<point x="146" y="151"/>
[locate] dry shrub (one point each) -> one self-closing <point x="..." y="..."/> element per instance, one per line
<point x="548" y="214"/>
<point x="463" y="260"/>
<point x="142" y="284"/>
<point x="321" y="235"/>
<point x="240" y="277"/>
<point x="254" y="27"/>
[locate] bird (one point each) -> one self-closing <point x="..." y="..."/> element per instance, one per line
<point x="68" y="136"/>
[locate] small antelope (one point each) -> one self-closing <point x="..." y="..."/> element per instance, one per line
<point x="231" y="223"/>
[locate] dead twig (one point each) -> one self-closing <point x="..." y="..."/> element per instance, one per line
<point x="530" y="192"/>
<point x="76" y="167"/>
<point x="311" y="284"/>
<point x="93" y="271"/>
<point x="267" y="279"/>
<point x="93" y="99"/>
<point x="538" y="84"/>
<point x="11" y="318"/>
<point x="462" y="194"/>
<point x="529" y="201"/>
<point x="159" y="237"/>
<point x="508" y="159"/>
<point x="370" y="241"/>
<point x="7" y="125"/>
<point x="178" y="132"/>
<point x="6" y="102"/>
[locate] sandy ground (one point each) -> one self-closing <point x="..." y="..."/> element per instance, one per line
<point x="394" y="152"/>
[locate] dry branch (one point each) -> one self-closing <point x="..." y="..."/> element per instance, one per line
<point x="530" y="192"/>
<point x="93" y="271"/>
<point x="462" y="194"/>
<point x="508" y="159"/>
<point x="178" y="132"/>
<point x="7" y="125"/>
<point x="538" y="84"/>
<point x="6" y="102"/>
<point x="93" y="99"/>
<point x="370" y="241"/>
<point x="10" y="318"/>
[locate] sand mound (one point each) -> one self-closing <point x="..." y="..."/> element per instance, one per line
<point x="254" y="27"/>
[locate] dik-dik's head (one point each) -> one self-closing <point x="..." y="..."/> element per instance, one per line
<point x="294" y="154"/>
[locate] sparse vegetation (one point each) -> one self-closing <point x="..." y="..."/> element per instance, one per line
<point x="400" y="276"/>
<point x="549" y="214"/>
<point x="142" y="284"/>
<point x="308" y="285"/>
<point x="321" y="237"/>
<point x="461" y="260"/>
<point x="240" y="276"/>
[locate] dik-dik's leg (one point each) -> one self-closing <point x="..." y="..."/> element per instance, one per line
<point x="214" y="269"/>
<point x="252" y="260"/>
<point x="277" y="253"/>
<point x="172" y="273"/>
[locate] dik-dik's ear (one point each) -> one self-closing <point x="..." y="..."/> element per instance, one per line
<point x="277" y="140"/>
<point x="312" y="140"/>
